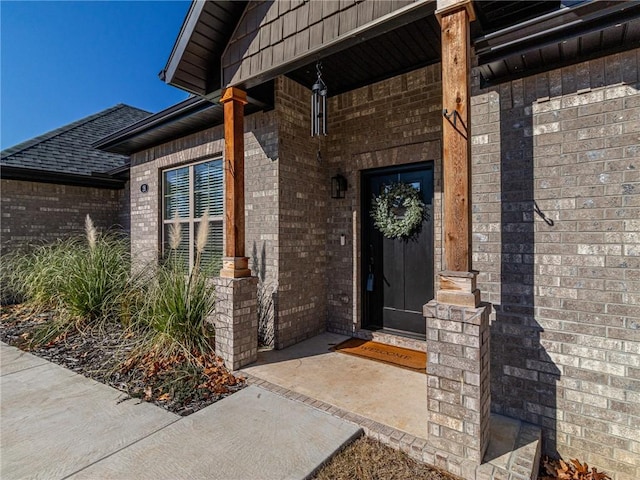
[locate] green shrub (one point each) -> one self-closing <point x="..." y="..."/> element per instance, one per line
<point x="11" y="289"/>
<point x="36" y="275"/>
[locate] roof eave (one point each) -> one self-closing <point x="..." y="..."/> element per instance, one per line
<point x="557" y="26"/>
<point x="186" y="31"/>
<point x="96" y="180"/>
<point x="115" y="141"/>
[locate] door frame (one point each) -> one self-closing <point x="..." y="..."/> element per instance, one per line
<point x="363" y="212"/>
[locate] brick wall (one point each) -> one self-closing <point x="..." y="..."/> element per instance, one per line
<point x="35" y="212"/>
<point x="236" y="320"/>
<point x="393" y="122"/>
<point x="556" y="236"/>
<point x="146" y="169"/>
<point x="124" y="213"/>
<point x="556" y="203"/>
<point x="261" y="192"/>
<point x="261" y="205"/>
<point x="302" y="211"/>
<point x="260" y="189"/>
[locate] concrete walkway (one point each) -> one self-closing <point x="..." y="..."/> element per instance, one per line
<point x="388" y="402"/>
<point x="56" y="424"/>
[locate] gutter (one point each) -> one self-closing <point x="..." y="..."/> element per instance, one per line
<point x="554" y="27"/>
<point x="96" y="180"/>
<point x="172" y="114"/>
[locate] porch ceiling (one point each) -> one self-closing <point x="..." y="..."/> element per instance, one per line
<point x="403" y="49"/>
<point x="550" y="34"/>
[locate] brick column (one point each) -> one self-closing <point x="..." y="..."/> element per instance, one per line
<point x="236" y="320"/>
<point x="458" y="383"/>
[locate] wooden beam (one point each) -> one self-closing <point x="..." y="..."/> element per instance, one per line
<point x="456" y="137"/>
<point x="234" y="263"/>
<point x="458" y="281"/>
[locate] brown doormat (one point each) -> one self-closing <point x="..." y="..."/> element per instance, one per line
<point x="401" y="357"/>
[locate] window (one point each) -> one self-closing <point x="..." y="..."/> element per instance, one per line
<point x="187" y="193"/>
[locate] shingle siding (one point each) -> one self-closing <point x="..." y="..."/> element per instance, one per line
<point x="272" y="33"/>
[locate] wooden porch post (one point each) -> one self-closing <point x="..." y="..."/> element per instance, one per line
<point x="234" y="263"/>
<point x="461" y="441"/>
<point x="457" y="282"/>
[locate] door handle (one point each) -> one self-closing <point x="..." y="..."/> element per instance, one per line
<point x="371" y="277"/>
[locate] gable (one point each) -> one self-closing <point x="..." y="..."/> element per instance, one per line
<point x="273" y="35"/>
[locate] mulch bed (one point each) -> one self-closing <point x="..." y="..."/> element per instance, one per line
<point x="101" y="353"/>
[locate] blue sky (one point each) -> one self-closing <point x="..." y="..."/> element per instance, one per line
<point x="61" y="61"/>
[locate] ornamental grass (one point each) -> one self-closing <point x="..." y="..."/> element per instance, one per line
<point x="81" y="278"/>
<point x="174" y="303"/>
<point x="81" y="291"/>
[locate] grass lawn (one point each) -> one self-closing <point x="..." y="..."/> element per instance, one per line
<point x="368" y="459"/>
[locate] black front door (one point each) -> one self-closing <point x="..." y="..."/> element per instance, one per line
<point x="397" y="274"/>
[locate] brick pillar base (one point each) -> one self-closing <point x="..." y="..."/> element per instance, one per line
<point x="458" y="388"/>
<point x="236" y="320"/>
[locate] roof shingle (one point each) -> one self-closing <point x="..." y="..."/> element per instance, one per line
<point x="69" y="149"/>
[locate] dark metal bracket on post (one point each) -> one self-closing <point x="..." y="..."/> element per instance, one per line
<point x="456" y="116"/>
<point x="546" y="219"/>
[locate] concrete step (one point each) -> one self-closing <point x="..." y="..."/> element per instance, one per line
<point x="514" y="450"/>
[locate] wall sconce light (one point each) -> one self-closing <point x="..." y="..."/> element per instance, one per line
<point x="319" y="105"/>
<point x="338" y="186"/>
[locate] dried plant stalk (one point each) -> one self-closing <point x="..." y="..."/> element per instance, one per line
<point x="92" y="233"/>
<point x="175" y="235"/>
<point x="203" y="232"/>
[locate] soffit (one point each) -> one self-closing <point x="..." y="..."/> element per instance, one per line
<point x="408" y="47"/>
<point x="194" y="63"/>
<point x="184" y="118"/>
<point x="571" y="33"/>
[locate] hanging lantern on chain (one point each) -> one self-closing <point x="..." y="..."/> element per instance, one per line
<point x="319" y="105"/>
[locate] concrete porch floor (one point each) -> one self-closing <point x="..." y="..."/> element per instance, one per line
<point x="388" y="402"/>
<point x="387" y="394"/>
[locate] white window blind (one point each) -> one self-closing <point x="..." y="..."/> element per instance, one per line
<point x="176" y="188"/>
<point x="187" y="193"/>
